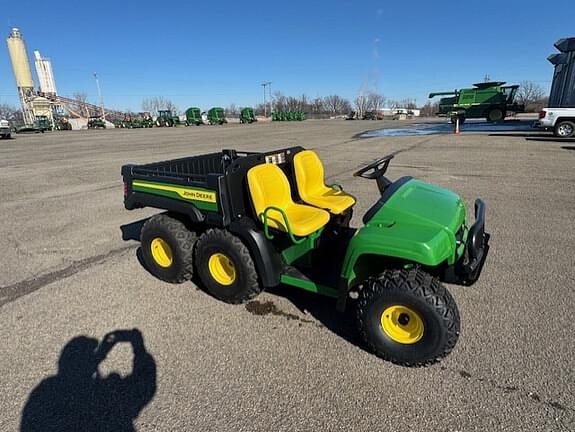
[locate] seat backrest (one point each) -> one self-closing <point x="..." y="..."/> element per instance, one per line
<point x="268" y="186"/>
<point x="308" y="173"/>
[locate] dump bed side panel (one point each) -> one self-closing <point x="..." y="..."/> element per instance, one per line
<point x="192" y="186"/>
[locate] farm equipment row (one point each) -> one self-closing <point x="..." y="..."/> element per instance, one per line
<point x="288" y="116"/>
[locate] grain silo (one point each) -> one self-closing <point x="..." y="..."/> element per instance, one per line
<point x="22" y="72"/>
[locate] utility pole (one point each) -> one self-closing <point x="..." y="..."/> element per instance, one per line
<point x="270" y="89"/>
<point x="100" y="96"/>
<point x="264" y="85"/>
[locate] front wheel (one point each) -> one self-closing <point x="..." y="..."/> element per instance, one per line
<point x="407" y="317"/>
<point x="565" y="129"/>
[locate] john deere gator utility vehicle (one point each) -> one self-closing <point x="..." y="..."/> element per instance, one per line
<point x="246" y="221"/>
<point x="247" y="115"/>
<point x="217" y="116"/>
<point x="194" y="117"/>
<point x="492" y="101"/>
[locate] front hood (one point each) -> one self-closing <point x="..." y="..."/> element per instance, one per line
<point x="423" y="210"/>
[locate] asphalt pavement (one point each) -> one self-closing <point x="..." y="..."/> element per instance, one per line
<point x="287" y="361"/>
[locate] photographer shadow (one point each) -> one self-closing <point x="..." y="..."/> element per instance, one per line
<point x="78" y="398"/>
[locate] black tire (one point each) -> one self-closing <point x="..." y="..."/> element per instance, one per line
<point x="495" y="115"/>
<point x="245" y="285"/>
<point x="181" y="245"/>
<point x="421" y="293"/>
<point x="564" y="129"/>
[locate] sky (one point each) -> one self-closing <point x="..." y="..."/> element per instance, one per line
<point x="214" y="53"/>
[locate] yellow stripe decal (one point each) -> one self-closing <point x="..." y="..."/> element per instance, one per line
<point x="186" y="193"/>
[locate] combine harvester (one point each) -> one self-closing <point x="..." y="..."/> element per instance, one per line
<point x="492" y="101"/>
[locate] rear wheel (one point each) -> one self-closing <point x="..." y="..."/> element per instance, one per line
<point x="225" y="267"/>
<point x="167" y="248"/>
<point x="565" y="129"/>
<point x="407" y="317"/>
<point x="495" y="115"/>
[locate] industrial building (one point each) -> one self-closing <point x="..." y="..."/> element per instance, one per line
<point x="43" y="105"/>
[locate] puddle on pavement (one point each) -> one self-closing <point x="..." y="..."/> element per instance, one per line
<point x="447" y="128"/>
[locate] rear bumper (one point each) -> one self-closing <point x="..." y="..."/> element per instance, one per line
<point x="467" y="269"/>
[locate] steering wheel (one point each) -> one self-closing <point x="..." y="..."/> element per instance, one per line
<point x="377" y="168"/>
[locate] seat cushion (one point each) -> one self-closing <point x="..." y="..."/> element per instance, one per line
<point x="269" y="187"/>
<point x="311" y="186"/>
<point x="334" y="200"/>
<point x="303" y="219"/>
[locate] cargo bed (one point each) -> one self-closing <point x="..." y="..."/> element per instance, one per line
<point x="209" y="188"/>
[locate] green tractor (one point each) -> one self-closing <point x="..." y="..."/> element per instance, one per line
<point x="167" y="119"/>
<point x="247" y="221"/>
<point x="194" y="117"/>
<point x="96" y="122"/>
<point x="247" y="116"/>
<point x="492" y="101"/>
<point x="217" y="116"/>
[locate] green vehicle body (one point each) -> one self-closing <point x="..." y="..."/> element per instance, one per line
<point x="490" y="100"/>
<point x="247" y="115"/>
<point x="167" y="119"/>
<point x="217" y="116"/>
<point x="414" y="236"/>
<point x="194" y="116"/>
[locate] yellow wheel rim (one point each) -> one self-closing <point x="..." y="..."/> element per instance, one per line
<point x="402" y="324"/>
<point x="222" y="269"/>
<point x="161" y="252"/>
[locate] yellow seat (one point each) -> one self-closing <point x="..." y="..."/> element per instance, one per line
<point x="311" y="187"/>
<point x="269" y="186"/>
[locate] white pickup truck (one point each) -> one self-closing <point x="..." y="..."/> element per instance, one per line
<point x="560" y="120"/>
<point x="5" y="131"/>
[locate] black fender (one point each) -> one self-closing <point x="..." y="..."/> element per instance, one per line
<point x="267" y="260"/>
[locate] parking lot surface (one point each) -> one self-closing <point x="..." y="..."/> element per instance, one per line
<point x="286" y="361"/>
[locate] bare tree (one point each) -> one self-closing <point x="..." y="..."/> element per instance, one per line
<point x="531" y="95"/>
<point x="232" y="110"/>
<point x="375" y="101"/>
<point x="408" y="103"/>
<point x="361" y="105"/>
<point x="79" y="106"/>
<point x="8" y="112"/>
<point x="156" y="103"/>
<point x="335" y="104"/>
<point x="429" y="109"/>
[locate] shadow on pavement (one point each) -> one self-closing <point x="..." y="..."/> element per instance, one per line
<point x="568" y="147"/>
<point x="527" y="135"/>
<point x="77" y="398"/>
<point x="550" y="139"/>
<point x="322" y="309"/>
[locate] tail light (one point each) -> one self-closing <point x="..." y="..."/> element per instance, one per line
<point x="125" y="190"/>
<point x="542" y="114"/>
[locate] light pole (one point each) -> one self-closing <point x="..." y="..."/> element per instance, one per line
<point x="267" y="83"/>
<point x="100" y="96"/>
<point x="270" y="93"/>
